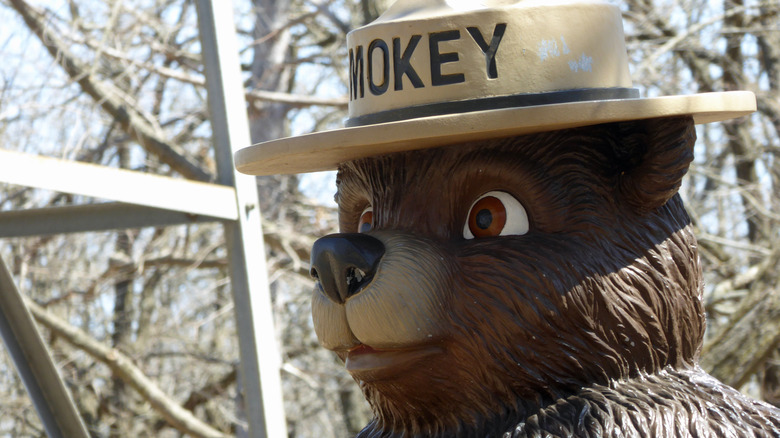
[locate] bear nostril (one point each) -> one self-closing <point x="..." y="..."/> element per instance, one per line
<point x="344" y="263"/>
<point x="356" y="278"/>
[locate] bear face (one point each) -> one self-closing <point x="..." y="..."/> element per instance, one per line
<point x="475" y="285"/>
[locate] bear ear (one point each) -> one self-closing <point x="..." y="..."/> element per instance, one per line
<point x="652" y="157"/>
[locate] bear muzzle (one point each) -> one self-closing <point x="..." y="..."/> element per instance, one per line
<point x="384" y="290"/>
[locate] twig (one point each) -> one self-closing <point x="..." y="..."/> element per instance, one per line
<point x="123" y="367"/>
<point x="106" y="95"/>
<point x="670" y="44"/>
<point x="295" y="100"/>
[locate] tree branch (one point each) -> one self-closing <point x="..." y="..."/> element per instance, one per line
<point x="123" y="367"/>
<point x="676" y="40"/>
<point x="109" y="98"/>
<point x="754" y="328"/>
<point x="206" y="393"/>
<point x="253" y="96"/>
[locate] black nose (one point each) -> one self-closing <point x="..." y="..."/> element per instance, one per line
<point x="344" y="263"/>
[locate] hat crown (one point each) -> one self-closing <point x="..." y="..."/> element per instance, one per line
<point x="428" y="55"/>
<point x="407" y="8"/>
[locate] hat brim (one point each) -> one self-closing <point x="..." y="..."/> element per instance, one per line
<point x="326" y="150"/>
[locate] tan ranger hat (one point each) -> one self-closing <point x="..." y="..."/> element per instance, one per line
<point x="430" y="73"/>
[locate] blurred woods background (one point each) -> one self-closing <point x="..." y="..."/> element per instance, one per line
<point x="102" y="81"/>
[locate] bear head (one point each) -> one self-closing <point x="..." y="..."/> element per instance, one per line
<point x="474" y="283"/>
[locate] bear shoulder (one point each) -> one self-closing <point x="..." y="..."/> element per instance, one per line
<point x="671" y="403"/>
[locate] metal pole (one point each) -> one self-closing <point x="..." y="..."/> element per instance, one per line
<point x="51" y="399"/>
<point x="127" y="186"/>
<point x="91" y="217"/>
<point x="260" y="357"/>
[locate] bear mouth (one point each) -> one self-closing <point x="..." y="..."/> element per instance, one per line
<point x="369" y="364"/>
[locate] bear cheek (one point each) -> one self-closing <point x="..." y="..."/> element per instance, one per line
<point x="330" y="324"/>
<point x="395" y="319"/>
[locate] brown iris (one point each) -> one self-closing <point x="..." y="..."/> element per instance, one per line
<point x="487" y="217"/>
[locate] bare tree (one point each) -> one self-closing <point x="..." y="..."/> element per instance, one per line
<point x="732" y="192"/>
<point x="140" y="321"/>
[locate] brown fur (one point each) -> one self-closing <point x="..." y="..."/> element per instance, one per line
<point x="588" y="325"/>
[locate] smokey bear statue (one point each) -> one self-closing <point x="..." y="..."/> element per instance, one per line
<point x="514" y="259"/>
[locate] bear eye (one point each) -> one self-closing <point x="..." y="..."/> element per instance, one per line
<point x="495" y="214"/>
<point x="366" y="221"/>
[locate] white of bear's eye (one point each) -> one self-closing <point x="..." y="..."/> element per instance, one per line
<point x="493" y="214"/>
<point x="366" y="221"/>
